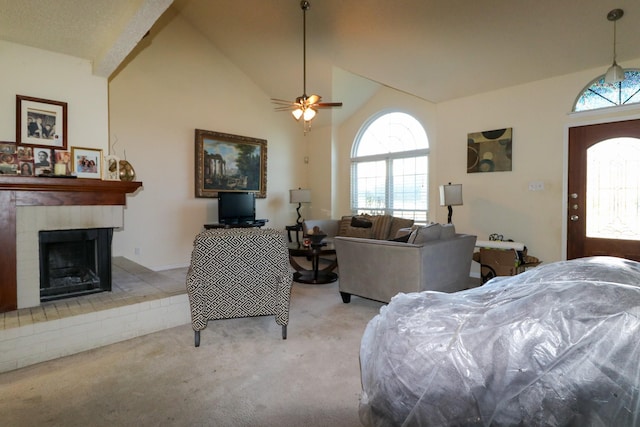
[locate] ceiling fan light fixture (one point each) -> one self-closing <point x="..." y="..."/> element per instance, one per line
<point x="615" y="73"/>
<point x="297" y="113"/>
<point x="304" y="106"/>
<point x="309" y="114"/>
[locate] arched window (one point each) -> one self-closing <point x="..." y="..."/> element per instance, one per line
<point x="390" y="168"/>
<point x="599" y="94"/>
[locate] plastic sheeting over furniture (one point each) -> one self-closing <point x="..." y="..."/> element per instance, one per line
<point x="557" y="345"/>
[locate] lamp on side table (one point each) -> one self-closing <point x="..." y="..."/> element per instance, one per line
<point x="451" y="195"/>
<point x="298" y="196"/>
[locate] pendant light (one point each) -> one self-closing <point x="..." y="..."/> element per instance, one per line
<point x="615" y="73"/>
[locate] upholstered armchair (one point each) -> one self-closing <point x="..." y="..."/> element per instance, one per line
<point x="239" y="272"/>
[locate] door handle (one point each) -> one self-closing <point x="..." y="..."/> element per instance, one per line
<point x="574" y="218"/>
<point x="574" y="195"/>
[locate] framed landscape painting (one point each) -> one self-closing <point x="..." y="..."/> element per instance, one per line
<point x="225" y="162"/>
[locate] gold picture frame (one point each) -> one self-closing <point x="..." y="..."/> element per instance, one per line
<point x="225" y="162"/>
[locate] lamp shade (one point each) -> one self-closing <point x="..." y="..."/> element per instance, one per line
<point x="451" y="195"/>
<point x="300" y="196"/>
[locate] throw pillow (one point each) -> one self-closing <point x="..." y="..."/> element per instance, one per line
<point x="448" y="231"/>
<point x="427" y="234"/>
<point x="381" y="226"/>
<point x="361" y="222"/>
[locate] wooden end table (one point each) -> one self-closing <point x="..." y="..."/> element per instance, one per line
<point x="315" y="276"/>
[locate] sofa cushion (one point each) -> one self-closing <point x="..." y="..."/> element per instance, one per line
<point x="383" y="227"/>
<point x="397" y="224"/>
<point x="425" y="234"/>
<point x="364" y="233"/>
<point x="448" y="231"/>
<point x="345" y="224"/>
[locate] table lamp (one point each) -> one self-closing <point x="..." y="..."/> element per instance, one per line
<point x="451" y="195"/>
<point x="299" y="196"/>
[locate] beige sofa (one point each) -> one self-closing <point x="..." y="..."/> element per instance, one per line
<point x="439" y="259"/>
<point x="380" y="227"/>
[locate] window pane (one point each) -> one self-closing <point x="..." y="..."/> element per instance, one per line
<point x="392" y="133"/>
<point x="370" y="185"/>
<point x="410" y="190"/>
<point x="613" y="189"/>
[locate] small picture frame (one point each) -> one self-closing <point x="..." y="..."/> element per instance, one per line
<point x="41" y="122"/>
<point x="63" y="164"/>
<point x="25" y="168"/>
<point x="87" y="162"/>
<point x="42" y="161"/>
<point x="8" y="158"/>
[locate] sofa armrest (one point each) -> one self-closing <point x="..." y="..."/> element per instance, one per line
<point x="447" y="263"/>
<point x="377" y="269"/>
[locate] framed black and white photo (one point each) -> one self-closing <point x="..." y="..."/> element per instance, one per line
<point x="41" y="122"/>
<point x="43" y="161"/>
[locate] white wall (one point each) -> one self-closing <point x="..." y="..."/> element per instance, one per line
<point x="41" y="74"/>
<point x="500" y="202"/>
<point x="176" y="83"/>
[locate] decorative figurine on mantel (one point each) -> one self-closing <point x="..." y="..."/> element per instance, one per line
<point x="122" y="168"/>
<point x="112" y="168"/>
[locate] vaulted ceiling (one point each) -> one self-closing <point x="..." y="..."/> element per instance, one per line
<point x="434" y="49"/>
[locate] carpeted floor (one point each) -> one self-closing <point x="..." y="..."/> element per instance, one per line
<point x="243" y="374"/>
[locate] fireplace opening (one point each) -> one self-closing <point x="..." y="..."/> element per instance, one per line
<point x="74" y="262"/>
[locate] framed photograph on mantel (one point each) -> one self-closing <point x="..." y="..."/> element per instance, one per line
<point x="226" y="162"/>
<point x="41" y="122"/>
<point x="87" y="162"/>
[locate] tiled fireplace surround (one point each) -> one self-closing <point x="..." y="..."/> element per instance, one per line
<point x="26" y="343"/>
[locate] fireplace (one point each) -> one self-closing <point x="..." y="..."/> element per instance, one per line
<point x="74" y="262"/>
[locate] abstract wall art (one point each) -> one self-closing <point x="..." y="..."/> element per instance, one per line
<point x="489" y="151"/>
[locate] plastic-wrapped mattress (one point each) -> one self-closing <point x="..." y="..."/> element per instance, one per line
<point x="558" y="345"/>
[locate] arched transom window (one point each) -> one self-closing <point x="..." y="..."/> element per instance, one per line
<point x="599" y="94"/>
<point x="390" y="168"/>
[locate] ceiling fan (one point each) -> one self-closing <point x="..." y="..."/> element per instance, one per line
<point x="304" y="106"/>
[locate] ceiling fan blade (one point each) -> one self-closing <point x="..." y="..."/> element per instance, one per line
<point x="290" y="108"/>
<point x="314" y="99"/>
<point x="282" y="101"/>
<point x="327" y="105"/>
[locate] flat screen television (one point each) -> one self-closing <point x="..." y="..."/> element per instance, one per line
<point x="236" y="208"/>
